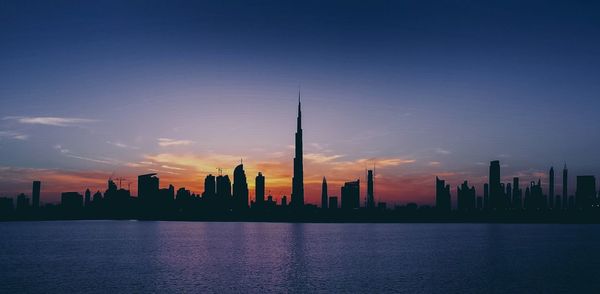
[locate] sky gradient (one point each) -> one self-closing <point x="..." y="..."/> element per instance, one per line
<point x="90" y="90"/>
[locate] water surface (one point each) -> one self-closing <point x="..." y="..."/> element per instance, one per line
<point x="185" y="257"/>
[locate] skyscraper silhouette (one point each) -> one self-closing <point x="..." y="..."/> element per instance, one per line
<point x="259" y="189"/>
<point x="442" y="196"/>
<point x="324" y="196"/>
<point x="240" y="188"/>
<point x="351" y="195"/>
<point x="517" y="194"/>
<point x="147" y="187"/>
<point x="496" y="193"/>
<point x="223" y="191"/>
<point x="551" y="188"/>
<point x="333" y="202"/>
<point x="486" y="196"/>
<point x="370" y="190"/>
<point x="565" y="191"/>
<point x="35" y="194"/>
<point x="298" y="178"/>
<point x="585" y="195"/>
<point x="465" y="197"/>
<point x="22" y="203"/>
<point x="209" y="188"/>
<point x="88" y="197"/>
<point x="148" y="193"/>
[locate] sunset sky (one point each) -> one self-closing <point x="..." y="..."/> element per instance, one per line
<point x="419" y="88"/>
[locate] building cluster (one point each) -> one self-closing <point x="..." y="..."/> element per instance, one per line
<point x="498" y="196"/>
<point x="222" y="196"/>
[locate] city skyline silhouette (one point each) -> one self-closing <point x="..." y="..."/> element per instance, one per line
<point x="226" y="198"/>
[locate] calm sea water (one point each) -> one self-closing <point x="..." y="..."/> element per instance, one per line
<point x="195" y="257"/>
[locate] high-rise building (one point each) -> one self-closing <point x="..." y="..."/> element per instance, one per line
<point x="565" y="190"/>
<point x="496" y="191"/>
<point x="167" y="195"/>
<point x="465" y="197"/>
<point x="298" y="178"/>
<point x="22" y="203"/>
<point x="486" y="196"/>
<point x="551" y="188"/>
<point x="508" y="195"/>
<point x="370" y="190"/>
<point x="88" y="197"/>
<point x="223" y="188"/>
<point x="585" y="195"/>
<point x="259" y="189"/>
<point x="240" y="188"/>
<point x="333" y="202"/>
<point x="147" y="187"/>
<point x="324" y="196"/>
<point x="209" y="187"/>
<point x="35" y="194"/>
<point x="442" y="196"/>
<point x="535" y="199"/>
<point x="517" y="194"/>
<point x="351" y="195"/>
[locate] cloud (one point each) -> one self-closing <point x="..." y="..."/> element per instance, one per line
<point x="434" y="163"/>
<point x="66" y="152"/>
<point x="171" y="167"/>
<point x="392" y="161"/>
<point x="122" y="145"/>
<point x="13" y="135"/>
<point x="133" y="164"/>
<point x="50" y="120"/>
<point x="320" y="158"/>
<point x="442" y="151"/>
<point x="353" y="166"/>
<point x="166" y="142"/>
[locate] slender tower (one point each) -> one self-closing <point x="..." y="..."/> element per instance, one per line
<point x="259" y="189"/>
<point x="551" y="188"/>
<point x="35" y="194"/>
<point x="298" y="179"/>
<point x="496" y="199"/>
<point x="565" y="196"/>
<point x="324" y="196"/>
<point x="370" y="196"/>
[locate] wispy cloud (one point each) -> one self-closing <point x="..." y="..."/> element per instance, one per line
<point x="122" y="145"/>
<point x="442" y="151"/>
<point x="13" y="135"/>
<point x="434" y="163"/>
<point x="320" y="158"/>
<point x="50" y="120"/>
<point x="166" y="142"/>
<point x="66" y="152"/>
<point x="171" y="167"/>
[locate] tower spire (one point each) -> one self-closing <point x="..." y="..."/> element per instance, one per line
<point x="298" y="178"/>
<point x="299" y="121"/>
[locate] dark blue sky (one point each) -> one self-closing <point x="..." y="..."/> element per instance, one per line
<point x="442" y="86"/>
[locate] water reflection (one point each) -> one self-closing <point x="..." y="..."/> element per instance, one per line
<point x="175" y="257"/>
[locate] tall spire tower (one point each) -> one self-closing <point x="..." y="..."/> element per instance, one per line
<point x="298" y="179"/>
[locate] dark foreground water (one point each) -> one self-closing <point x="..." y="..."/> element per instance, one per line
<point x="195" y="257"/>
